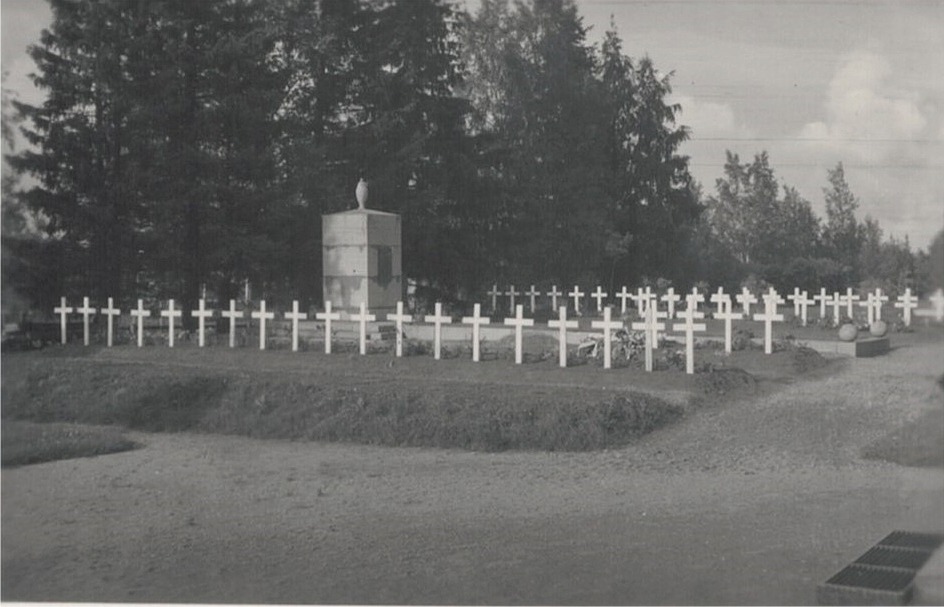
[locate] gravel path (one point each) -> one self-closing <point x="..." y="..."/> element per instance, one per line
<point x="753" y="502"/>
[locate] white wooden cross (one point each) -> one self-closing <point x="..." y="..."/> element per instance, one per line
<point x="727" y="315"/>
<point x="693" y="299"/>
<point x="607" y="325"/>
<point x="690" y="314"/>
<point x="771" y="299"/>
<point x="836" y="303"/>
<point x="638" y="300"/>
<point x="937" y="311"/>
<point x="653" y="302"/>
<point x="804" y="302"/>
<point x="295" y="316"/>
<point x="562" y="324"/>
<point x="746" y="298"/>
<point x="823" y="299"/>
<point x="170" y="314"/>
<point x="651" y="326"/>
<point x="599" y="295"/>
<point x="794" y="297"/>
<point x="438" y="320"/>
<point x="232" y="315"/>
<point x="671" y="298"/>
<point x="85" y="311"/>
<point x="362" y="319"/>
<point x="494" y="293"/>
<point x="327" y="316"/>
<point x="880" y="300"/>
<point x="576" y="294"/>
<point x="518" y="322"/>
<point x="906" y="302"/>
<point x="261" y="315"/>
<point x="511" y="293"/>
<point x="869" y="304"/>
<point x="140" y="313"/>
<point x="532" y="294"/>
<point x="202" y="314"/>
<point x="554" y="294"/>
<point x="476" y="320"/>
<point x="623" y="295"/>
<point x="111" y="311"/>
<point x="63" y="311"/>
<point x="401" y="318"/>
<point x="718" y="298"/>
<point x="848" y="300"/>
<point x="642" y="299"/>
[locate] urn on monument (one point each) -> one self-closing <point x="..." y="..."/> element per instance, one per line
<point x="360" y="194"/>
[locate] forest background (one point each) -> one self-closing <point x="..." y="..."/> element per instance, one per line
<point x="187" y="146"/>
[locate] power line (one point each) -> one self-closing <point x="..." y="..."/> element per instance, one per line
<point x="819" y="139"/>
<point x="871" y="167"/>
<point x="769" y="3"/>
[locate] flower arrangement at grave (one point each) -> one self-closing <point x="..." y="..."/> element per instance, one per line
<point x="742" y="339"/>
<point x="628" y="346"/>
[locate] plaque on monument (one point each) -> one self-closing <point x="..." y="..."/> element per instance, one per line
<point x="361" y="258"/>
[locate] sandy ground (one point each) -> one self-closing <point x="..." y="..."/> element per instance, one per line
<point x="749" y="503"/>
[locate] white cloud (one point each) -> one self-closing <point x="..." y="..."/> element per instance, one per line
<point x="862" y="103"/>
<point x="708" y="119"/>
<point x="714" y="128"/>
<point x="890" y="137"/>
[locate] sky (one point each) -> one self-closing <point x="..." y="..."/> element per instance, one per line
<point x="811" y="82"/>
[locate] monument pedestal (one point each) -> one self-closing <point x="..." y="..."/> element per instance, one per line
<point x="362" y="260"/>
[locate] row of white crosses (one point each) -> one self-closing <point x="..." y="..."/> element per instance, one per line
<point x="648" y="309"/>
<point x="639" y="298"/>
<point x="873" y="302"/>
<point x="171" y="314"/>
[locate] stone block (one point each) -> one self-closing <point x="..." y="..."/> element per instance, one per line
<point x="862" y="348"/>
<point x="362" y="260"/>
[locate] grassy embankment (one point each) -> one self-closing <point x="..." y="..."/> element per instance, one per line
<point x="381" y="405"/>
<point x="371" y="400"/>
<point x="32" y="443"/>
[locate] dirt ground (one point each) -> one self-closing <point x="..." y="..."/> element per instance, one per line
<point x="752" y="502"/>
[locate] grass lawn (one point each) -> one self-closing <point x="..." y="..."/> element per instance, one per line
<point x="919" y="443"/>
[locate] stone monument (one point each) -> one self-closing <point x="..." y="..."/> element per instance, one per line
<point x="361" y="258"/>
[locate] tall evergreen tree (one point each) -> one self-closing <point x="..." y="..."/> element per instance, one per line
<point x="79" y="141"/>
<point x="410" y="136"/>
<point x="538" y="113"/>
<point x="155" y="147"/>
<point x="654" y="201"/>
